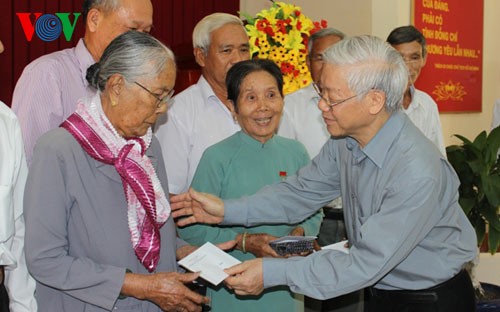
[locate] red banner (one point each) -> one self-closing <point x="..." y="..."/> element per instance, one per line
<point x="454" y="32"/>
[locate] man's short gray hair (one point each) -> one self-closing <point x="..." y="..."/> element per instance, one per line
<point x="325" y="32"/>
<point x="205" y="27"/>
<point x="105" y="5"/>
<point x="133" y="55"/>
<point x="372" y="64"/>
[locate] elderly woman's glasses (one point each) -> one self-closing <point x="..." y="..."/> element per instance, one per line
<point x="161" y="101"/>
<point x="327" y="100"/>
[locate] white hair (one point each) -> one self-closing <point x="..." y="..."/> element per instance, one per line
<point x="324" y="32"/>
<point x="205" y="27"/>
<point x="373" y="64"/>
<point x="133" y="55"/>
<point x="105" y="5"/>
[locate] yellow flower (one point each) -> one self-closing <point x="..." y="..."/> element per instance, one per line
<point x="303" y="69"/>
<point x="294" y="41"/>
<point x="306" y="80"/>
<point x="280" y="38"/>
<point x="253" y="34"/>
<point x="307" y="24"/>
<point x="274" y="53"/>
<point x="281" y="50"/>
<point x="270" y="15"/>
<point x="283" y="57"/>
<point x="288" y="9"/>
<point x="302" y="58"/>
<point x="280" y="34"/>
<point x="262" y="55"/>
<point x="264" y="45"/>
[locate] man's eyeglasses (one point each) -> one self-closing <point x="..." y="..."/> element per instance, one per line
<point x="327" y="100"/>
<point x="164" y="100"/>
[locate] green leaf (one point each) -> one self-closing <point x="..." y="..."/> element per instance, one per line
<point x="480" y="140"/>
<point x="491" y="217"/>
<point x="464" y="139"/>
<point x="467" y="204"/>
<point x="480" y="228"/>
<point x="493" y="143"/>
<point x="250" y="19"/>
<point x="491" y="186"/>
<point x="477" y="166"/>
<point x="452" y="148"/>
<point x="280" y="15"/>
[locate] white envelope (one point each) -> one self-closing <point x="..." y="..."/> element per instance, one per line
<point x="210" y="261"/>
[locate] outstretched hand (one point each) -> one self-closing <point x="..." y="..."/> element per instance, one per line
<point x="196" y="207"/>
<point x="246" y="278"/>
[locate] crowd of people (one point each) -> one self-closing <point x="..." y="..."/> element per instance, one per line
<point x="108" y="179"/>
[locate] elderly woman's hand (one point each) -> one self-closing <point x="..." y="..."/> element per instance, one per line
<point x="257" y="244"/>
<point x="297" y="231"/>
<point x="167" y="290"/>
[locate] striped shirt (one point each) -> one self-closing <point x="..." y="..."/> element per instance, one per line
<point x="48" y="90"/>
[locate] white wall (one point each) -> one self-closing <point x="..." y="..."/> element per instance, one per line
<point x="379" y="17"/>
<point x="489" y="268"/>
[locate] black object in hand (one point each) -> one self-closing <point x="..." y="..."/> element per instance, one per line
<point x="200" y="287"/>
<point x="293" y="245"/>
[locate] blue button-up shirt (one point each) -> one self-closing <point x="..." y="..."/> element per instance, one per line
<point x="403" y="220"/>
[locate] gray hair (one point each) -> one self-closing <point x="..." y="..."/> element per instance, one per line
<point x="325" y="32"/>
<point x="105" y="5"/>
<point x="373" y="64"/>
<point x="133" y="55"/>
<point x="205" y="27"/>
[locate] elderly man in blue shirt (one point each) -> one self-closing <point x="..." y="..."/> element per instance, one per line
<point x="408" y="236"/>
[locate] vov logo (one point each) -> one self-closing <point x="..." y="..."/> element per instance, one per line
<point x="48" y="27"/>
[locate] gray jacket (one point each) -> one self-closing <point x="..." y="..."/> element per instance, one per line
<point x="78" y="242"/>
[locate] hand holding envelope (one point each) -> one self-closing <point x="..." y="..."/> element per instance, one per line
<point x="210" y="261"/>
<point x="216" y="266"/>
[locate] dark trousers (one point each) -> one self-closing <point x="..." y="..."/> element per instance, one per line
<point x="332" y="231"/>
<point x="454" y="295"/>
<point x="4" y="299"/>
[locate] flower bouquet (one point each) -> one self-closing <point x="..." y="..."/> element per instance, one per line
<point x="280" y="34"/>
